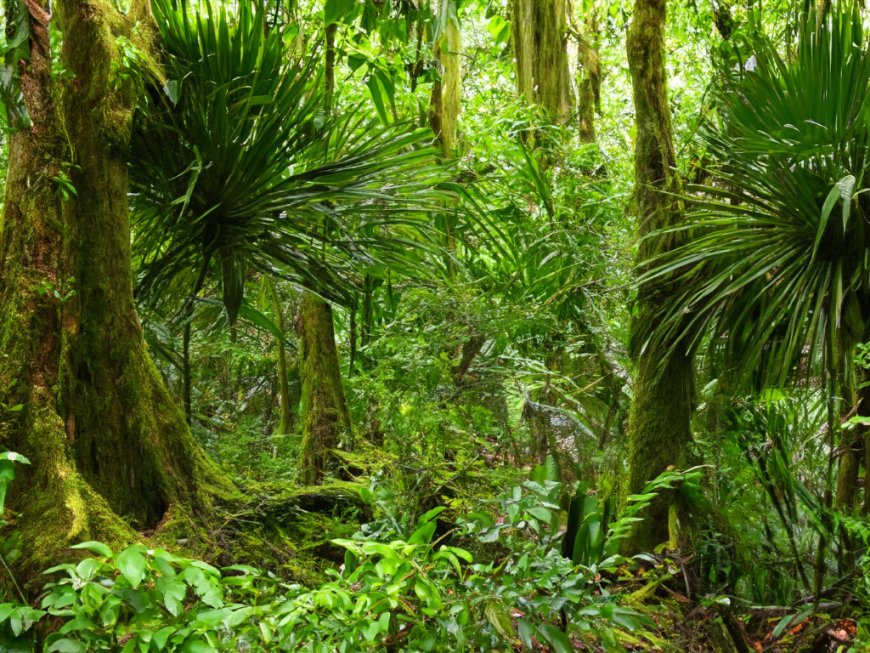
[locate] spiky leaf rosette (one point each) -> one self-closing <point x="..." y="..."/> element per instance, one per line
<point x="237" y="166"/>
<point x="775" y="262"/>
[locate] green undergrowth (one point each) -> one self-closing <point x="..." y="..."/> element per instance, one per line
<point x="339" y="567"/>
<point x="417" y="588"/>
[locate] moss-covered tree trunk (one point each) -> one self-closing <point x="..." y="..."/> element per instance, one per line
<point x="445" y="105"/>
<point x="326" y="420"/>
<point x="289" y="399"/>
<point x="108" y="444"/>
<point x="540" y="43"/>
<point x="588" y="78"/>
<point x="325" y="415"/>
<point x="659" y="422"/>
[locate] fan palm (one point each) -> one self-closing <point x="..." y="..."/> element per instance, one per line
<point x="774" y="265"/>
<point x="237" y="166"/>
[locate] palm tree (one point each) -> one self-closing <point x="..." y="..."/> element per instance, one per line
<point x="774" y="270"/>
<point x="239" y="166"/>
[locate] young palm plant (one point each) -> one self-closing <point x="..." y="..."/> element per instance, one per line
<point x="238" y="166"/>
<point x="774" y="272"/>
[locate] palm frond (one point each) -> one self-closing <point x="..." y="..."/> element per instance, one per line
<point x="774" y="265"/>
<point x="237" y="166"/>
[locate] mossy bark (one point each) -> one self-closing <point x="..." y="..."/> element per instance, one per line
<point x="110" y="449"/>
<point x="852" y="447"/>
<point x="447" y="90"/>
<point x="326" y="419"/>
<point x="659" y="423"/>
<point x="55" y="502"/>
<point x="540" y="43"/>
<point x="289" y="402"/>
<point x="588" y="78"/>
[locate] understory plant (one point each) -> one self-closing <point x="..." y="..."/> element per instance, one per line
<point x="417" y="592"/>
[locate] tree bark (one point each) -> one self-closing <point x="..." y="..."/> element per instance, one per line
<point x="447" y="90"/>
<point x="659" y="422"/>
<point x="288" y="405"/>
<point x="588" y="79"/>
<point x="326" y="416"/>
<point x="540" y="42"/>
<point x="104" y="435"/>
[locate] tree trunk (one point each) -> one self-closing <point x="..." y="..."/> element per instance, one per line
<point x="588" y="79"/>
<point x="101" y="429"/>
<point x="324" y="407"/>
<point x="447" y="89"/>
<point x="444" y="108"/>
<point x="539" y="29"/>
<point x="852" y="452"/>
<point x="659" y="423"/>
<point x="288" y="405"/>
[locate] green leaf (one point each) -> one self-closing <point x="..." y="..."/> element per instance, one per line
<point x="547" y="471"/>
<point x="430" y="515"/>
<point x="131" y="564"/>
<point x="427" y="593"/>
<point x="197" y="645"/>
<point x="423" y="535"/>
<point x="66" y="645"/>
<point x="173" y="591"/>
<point x="6" y="610"/>
<point x="460" y="553"/>
<point x="160" y="638"/>
<point x="540" y="513"/>
<point x="94" y="547"/>
<point x="498" y="616"/>
<point x="379" y="97"/>
<point x="560" y="642"/>
<point x="336" y="11"/>
<point x="14" y="457"/>
<point x="526" y="632"/>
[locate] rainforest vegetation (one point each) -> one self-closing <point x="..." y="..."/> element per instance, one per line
<point x="435" y="325"/>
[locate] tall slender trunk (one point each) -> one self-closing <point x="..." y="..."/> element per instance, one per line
<point x="852" y="448"/>
<point x="447" y="90"/>
<point x="444" y="108"/>
<point x="324" y="406"/>
<point x="659" y="422"/>
<point x="588" y="78"/>
<point x="287" y="403"/>
<point x="103" y="433"/>
<point x="326" y="417"/>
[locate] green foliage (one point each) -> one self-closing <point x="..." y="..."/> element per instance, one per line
<point x="16" y="47"/>
<point x="258" y="176"/>
<point x="775" y="258"/>
<point x="417" y="592"/>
